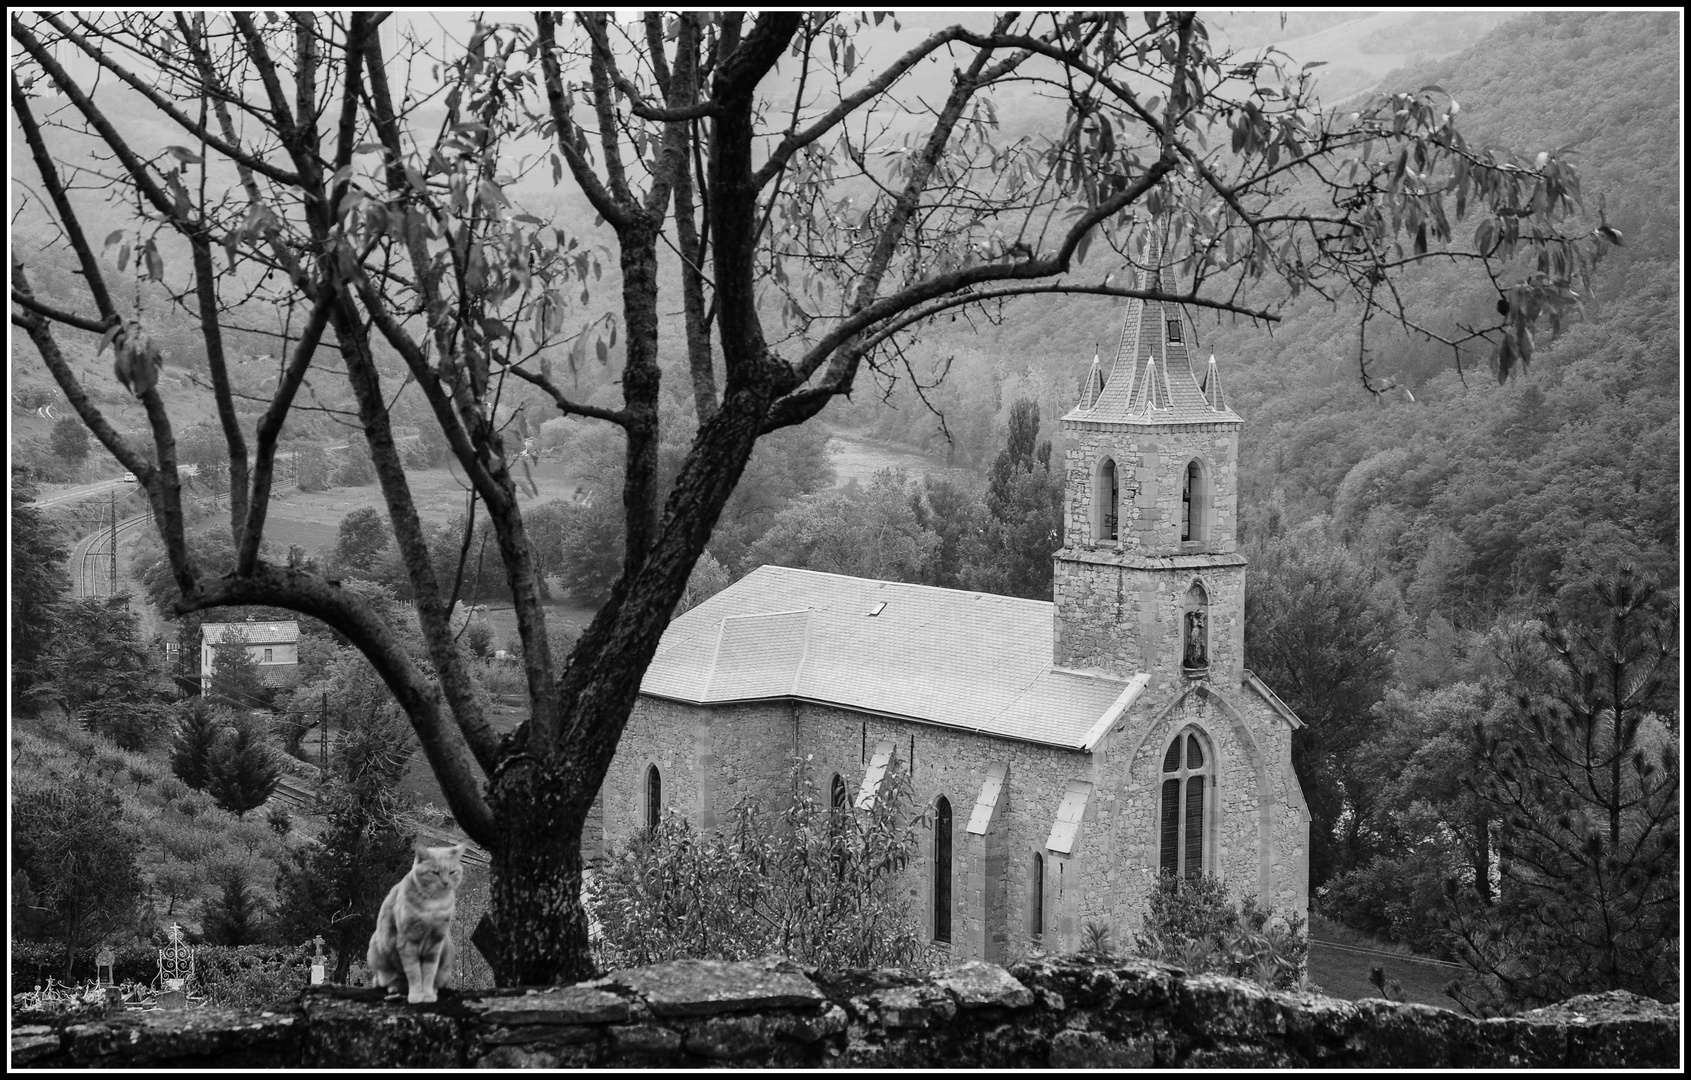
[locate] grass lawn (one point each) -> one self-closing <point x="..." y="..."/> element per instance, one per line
<point x="312" y="519"/>
<point x="1340" y="959"/>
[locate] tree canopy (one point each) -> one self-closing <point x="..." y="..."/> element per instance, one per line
<point x="818" y="207"/>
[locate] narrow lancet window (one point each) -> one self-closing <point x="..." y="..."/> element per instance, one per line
<point x="942" y="870"/>
<point x="654" y="799"/>
<point x="1109" y="500"/>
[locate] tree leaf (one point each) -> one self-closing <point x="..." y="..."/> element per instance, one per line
<point x="155" y="262"/>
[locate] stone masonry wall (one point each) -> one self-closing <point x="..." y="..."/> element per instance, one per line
<point x="1258" y="826"/>
<point x="1150" y="467"/>
<point x="709" y="757"/>
<point x="750" y="750"/>
<point x="1124" y="614"/>
<point x="1069" y="1013"/>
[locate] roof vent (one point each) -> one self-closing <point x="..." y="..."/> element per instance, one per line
<point x="877" y="609"/>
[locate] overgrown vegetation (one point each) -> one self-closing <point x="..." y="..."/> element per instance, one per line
<point x="1195" y="924"/>
<point x="810" y="879"/>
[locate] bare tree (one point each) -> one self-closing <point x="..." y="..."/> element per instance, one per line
<point x="820" y="213"/>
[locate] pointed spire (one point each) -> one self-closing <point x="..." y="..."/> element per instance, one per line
<point x="1212" y="387"/>
<point x="1155" y="385"/>
<point x="1092" y="383"/>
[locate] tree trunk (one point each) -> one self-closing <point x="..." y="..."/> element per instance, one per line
<point x="73" y="938"/>
<point x="1482" y="858"/>
<point x="343" y="958"/>
<point x="535" y="933"/>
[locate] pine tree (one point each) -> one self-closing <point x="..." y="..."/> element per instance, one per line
<point x="242" y="771"/>
<point x="38" y="582"/>
<point x="336" y="887"/>
<point x="70" y="839"/>
<point x="197" y="733"/>
<point x="235" y="680"/>
<point x="1587" y="789"/>
<point x="236" y="915"/>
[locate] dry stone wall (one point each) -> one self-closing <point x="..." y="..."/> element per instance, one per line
<point x="1073" y="1012"/>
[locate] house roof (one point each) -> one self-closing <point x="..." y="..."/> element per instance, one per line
<point x="966" y="660"/>
<point x="285" y="632"/>
<point x="1150" y="379"/>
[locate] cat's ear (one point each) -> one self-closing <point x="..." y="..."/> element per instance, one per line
<point x="420" y="849"/>
<point x="459" y="849"/>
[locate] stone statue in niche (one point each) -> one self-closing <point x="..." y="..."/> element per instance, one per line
<point x="1196" y="655"/>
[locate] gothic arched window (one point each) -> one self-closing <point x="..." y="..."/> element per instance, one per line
<point x="942" y="869"/>
<point x="1107" y="501"/>
<point x="1188" y="770"/>
<point x="654" y="798"/>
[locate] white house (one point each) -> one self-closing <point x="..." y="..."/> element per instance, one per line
<point x="273" y="645"/>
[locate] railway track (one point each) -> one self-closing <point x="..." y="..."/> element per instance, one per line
<point x="299" y="795"/>
<point x="91" y="558"/>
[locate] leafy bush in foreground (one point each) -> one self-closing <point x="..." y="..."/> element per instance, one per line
<point x="815" y="882"/>
<point x="1195" y="924"/>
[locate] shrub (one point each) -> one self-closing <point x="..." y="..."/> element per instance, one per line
<point x="34" y="961"/>
<point x="141" y="776"/>
<point x="192" y="806"/>
<point x="132" y="725"/>
<point x="503" y="680"/>
<point x="279" y="820"/>
<point x="1193" y="923"/>
<point x="171" y="789"/>
<point x="183" y="839"/>
<point x="817" y="884"/>
<point x="252" y="976"/>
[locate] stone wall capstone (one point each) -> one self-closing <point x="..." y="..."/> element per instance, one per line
<point x="1070" y="1012"/>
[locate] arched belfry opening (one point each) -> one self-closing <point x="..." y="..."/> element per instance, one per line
<point x="1106" y="500"/>
<point x="1195" y="630"/>
<point x="1195" y="504"/>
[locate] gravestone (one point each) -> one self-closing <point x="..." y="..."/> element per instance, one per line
<point x="317" y="962"/>
<point x="103" y="961"/>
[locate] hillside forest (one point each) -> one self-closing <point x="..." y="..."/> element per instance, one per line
<point x="1436" y="567"/>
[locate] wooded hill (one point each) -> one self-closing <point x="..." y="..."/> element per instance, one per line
<point x="1472" y="491"/>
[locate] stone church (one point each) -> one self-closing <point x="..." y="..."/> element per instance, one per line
<point x="1070" y="751"/>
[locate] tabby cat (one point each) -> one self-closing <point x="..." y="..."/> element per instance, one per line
<point x="412" y="945"/>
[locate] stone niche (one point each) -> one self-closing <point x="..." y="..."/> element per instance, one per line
<point x="1072" y="1012"/>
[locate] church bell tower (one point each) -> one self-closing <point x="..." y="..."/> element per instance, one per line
<point x="1149" y="578"/>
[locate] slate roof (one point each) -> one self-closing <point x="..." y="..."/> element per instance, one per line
<point x="1150" y="380"/>
<point x="943" y="656"/>
<point x="284" y="632"/>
